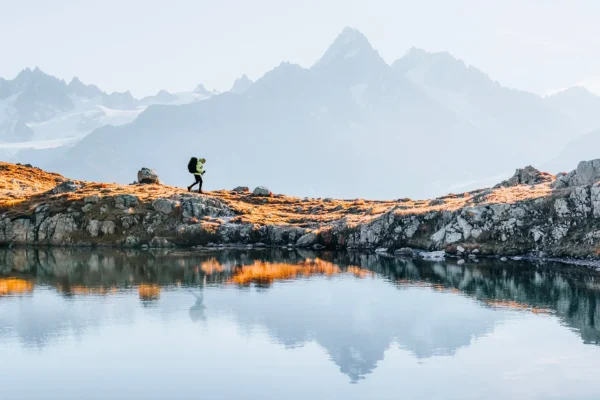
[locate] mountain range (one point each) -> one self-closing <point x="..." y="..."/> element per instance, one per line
<point x="351" y="125"/>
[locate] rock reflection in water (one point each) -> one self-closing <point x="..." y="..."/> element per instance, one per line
<point x="354" y="322"/>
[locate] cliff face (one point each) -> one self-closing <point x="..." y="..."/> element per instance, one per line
<point x="531" y="212"/>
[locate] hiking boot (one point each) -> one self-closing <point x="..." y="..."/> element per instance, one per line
<point x="189" y="188"/>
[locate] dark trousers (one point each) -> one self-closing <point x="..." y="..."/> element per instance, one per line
<point x="198" y="182"/>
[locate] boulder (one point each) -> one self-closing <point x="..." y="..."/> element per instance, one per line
<point x="587" y="173"/>
<point x="148" y="176"/>
<point x="241" y="189"/>
<point x="261" y="191"/>
<point x="65" y="187"/>
<point x="526" y="176"/>
<point x="164" y="206"/>
<point x="307" y="240"/>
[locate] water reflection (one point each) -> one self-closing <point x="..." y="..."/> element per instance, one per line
<point x="426" y="308"/>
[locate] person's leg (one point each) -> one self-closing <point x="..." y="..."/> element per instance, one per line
<point x="189" y="188"/>
<point x="199" y="179"/>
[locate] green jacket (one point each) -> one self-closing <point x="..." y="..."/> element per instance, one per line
<point x="199" y="167"/>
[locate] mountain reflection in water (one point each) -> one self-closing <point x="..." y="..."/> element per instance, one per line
<point x="427" y="308"/>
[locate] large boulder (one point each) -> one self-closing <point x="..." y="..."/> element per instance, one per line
<point x="261" y="191"/>
<point x="66" y="187"/>
<point x="587" y="173"/>
<point x="526" y="176"/>
<point x="148" y="176"/>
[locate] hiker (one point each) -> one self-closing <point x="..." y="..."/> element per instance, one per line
<point x="196" y="167"/>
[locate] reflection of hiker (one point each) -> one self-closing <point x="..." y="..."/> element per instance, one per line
<point x="196" y="167"/>
<point x="197" y="310"/>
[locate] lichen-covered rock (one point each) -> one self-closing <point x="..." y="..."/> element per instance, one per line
<point x="198" y="207"/>
<point x="165" y="206"/>
<point x="241" y="189"/>
<point x="125" y="201"/>
<point x="587" y="173"/>
<point x="148" y="176"/>
<point x="526" y="176"/>
<point x="261" y="191"/>
<point x="65" y="187"/>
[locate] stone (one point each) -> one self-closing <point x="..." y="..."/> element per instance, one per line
<point x="164" y="206"/>
<point x="460" y="249"/>
<point x="148" y="176"/>
<point x="475" y="251"/>
<point x="87" y="208"/>
<point x="126" y="201"/>
<point x="526" y="176"/>
<point x="91" y="199"/>
<point x="381" y="250"/>
<point x="503" y="259"/>
<point x="460" y="262"/>
<point x="66" y="187"/>
<point x="241" y="189"/>
<point x="261" y="191"/>
<point x="307" y="240"/>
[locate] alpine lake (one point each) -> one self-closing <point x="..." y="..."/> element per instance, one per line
<point x="290" y="324"/>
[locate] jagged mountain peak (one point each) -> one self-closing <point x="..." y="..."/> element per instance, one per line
<point x="439" y="69"/>
<point x="241" y="84"/>
<point x="77" y="87"/>
<point x="349" y="44"/>
<point x="200" y="89"/>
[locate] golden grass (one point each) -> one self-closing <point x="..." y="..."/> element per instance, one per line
<point x="22" y="189"/>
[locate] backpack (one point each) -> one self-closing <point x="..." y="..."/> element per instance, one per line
<point x="192" y="165"/>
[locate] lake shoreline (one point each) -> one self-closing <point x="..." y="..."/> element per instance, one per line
<point x="533" y="214"/>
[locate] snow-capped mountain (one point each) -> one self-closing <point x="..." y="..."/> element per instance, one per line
<point x="349" y="126"/>
<point x="39" y="110"/>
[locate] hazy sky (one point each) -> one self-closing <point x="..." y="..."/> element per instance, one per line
<point x="147" y="45"/>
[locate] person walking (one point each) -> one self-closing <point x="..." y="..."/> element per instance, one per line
<point x="196" y="167"/>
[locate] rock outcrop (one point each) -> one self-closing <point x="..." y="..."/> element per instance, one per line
<point x="530" y="214"/>
<point x="587" y="173"/>
<point x="526" y="176"/>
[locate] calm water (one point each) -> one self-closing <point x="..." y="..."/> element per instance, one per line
<point x="261" y="325"/>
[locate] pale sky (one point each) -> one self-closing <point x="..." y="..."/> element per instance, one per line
<point x="147" y="45"/>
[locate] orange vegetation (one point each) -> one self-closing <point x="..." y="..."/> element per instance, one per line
<point x="22" y="189"/>
<point x="265" y="273"/>
<point x="149" y="292"/>
<point x="12" y="286"/>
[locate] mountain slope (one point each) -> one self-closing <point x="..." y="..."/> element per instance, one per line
<point x="334" y="129"/>
<point x="511" y="119"/>
<point x="38" y="107"/>
<point x="579" y="104"/>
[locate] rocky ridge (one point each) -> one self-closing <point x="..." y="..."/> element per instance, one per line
<point x="532" y="213"/>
